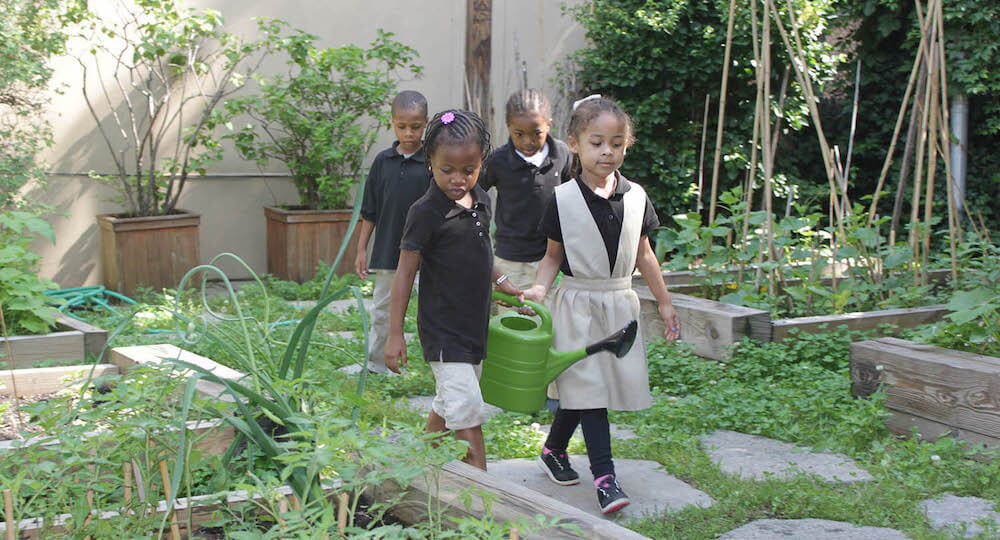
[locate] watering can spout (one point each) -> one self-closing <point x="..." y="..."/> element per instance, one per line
<point x="617" y="344"/>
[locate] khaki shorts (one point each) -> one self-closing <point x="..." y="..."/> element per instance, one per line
<point x="458" y="399"/>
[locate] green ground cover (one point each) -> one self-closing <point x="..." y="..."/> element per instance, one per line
<point x="796" y="391"/>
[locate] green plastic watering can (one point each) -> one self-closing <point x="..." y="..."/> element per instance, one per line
<point x="520" y="361"/>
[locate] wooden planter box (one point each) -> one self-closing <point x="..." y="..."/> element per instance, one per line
<point x="297" y="240"/>
<point x="713" y="326"/>
<point x="73" y="342"/>
<point x="940" y="392"/>
<point x="151" y="252"/>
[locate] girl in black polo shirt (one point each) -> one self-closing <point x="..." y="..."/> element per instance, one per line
<point x="525" y="171"/>
<point x="597" y="228"/>
<point x="447" y="236"/>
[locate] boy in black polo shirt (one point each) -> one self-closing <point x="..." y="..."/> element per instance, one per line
<point x="447" y="234"/>
<point x="397" y="178"/>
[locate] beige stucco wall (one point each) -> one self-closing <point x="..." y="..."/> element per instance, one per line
<point x="232" y="195"/>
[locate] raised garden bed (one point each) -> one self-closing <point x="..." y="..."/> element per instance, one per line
<point x="940" y="392"/>
<point x="73" y="342"/>
<point x="712" y="326"/>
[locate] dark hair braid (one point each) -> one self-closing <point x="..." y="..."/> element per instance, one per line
<point x="528" y="100"/>
<point x="466" y="127"/>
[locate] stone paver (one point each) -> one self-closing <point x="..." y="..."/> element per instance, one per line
<point x="952" y="513"/>
<point x="422" y="404"/>
<point x="352" y="335"/>
<point x="813" y="529"/>
<point x="336" y="306"/>
<point x="617" y="432"/>
<point x="651" y="490"/>
<point x="754" y="457"/>
<point x="354" y="369"/>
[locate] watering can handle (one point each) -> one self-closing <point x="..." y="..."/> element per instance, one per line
<point x="540" y="310"/>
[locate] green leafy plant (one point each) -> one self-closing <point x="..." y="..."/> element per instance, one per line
<point x="26" y="308"/>
<point x="322" y="116"/>
<point x="171" y="68"/>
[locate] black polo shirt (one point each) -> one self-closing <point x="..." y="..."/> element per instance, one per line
<point x="393" y="184"/>
<point x="523" y="192"/>
<point x="607" y="214"/>
<point x="456" y="274"/>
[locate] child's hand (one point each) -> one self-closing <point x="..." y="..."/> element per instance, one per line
<point x="395" y="353"/>
<point x="671" y="320"/>
<point x="361" y="265"/>
<point x="535" y="293"/>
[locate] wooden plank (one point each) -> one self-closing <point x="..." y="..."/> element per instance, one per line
<point x="212" y="437"/>
<point x="193" y="511"/>
<point x="94" y="338"/>
<point x="710" y="326"/>
<point x="64" y="347"/>
<point x="128" y="357"/>
<point x="903" y="424"/>
<point x="34" y="381"/>
<point x="512" y="502"/>
<point x="478" y="58"/>
<point x="957" y="389"/>
<point x="862" y="321"/>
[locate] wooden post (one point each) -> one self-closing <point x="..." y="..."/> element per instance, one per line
<point x="478" y="51"/>
<point x="8" y="515"/>
<point x="722" y="111"/>
<point x="127" y="485"/>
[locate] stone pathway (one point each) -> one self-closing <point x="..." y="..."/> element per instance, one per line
<point x="650" y="489"/>
<point x="813" y="529"/>
<point x="952" y="513"/>
<point x="758" y="458"/>
<point x="422" y="404"/>
<point x="337" y="306"/>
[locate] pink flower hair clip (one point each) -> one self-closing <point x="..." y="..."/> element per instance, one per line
<point x="447" y="118"/>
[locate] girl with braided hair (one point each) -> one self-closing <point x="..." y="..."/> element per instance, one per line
<point x="447" y="235"/>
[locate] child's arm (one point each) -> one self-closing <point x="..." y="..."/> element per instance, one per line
<point x="650" y="269"/>
<point x="361" y="260"/>
<point x="548" y="268"/>
<point x="402" y="284"/>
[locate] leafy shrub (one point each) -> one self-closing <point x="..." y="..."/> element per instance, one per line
<point x="26" y="309"/>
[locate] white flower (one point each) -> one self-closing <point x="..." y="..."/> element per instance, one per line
<point x="713" y="381"/>
<point x="935" y="459"/>
<point x="879" y="367"/>
<point x="517" y="422"/>
<point x="536" y="426"/>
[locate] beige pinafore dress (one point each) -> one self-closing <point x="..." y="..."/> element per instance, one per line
<point x="596" y="302"/>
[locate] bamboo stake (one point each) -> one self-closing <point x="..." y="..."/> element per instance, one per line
<point x="127" y="485"/>
<point x="722" y="111"/>
<point x="931" y="170"/>
<point x="514" y="534"/>
<point x="854" y="122"/>
<point x="954" y="225"/>
<point x="921" y="146"/>
<point x="296" y="503"/>
<point x="701" y="155"/>
<point x="8" y="515"/>
<point x="756" y="130"/>
<point x="342" y="501"/>
<point x="175" y="532"/>
<point x="899" y="122"/>
<point x="90" y="510"/>
<point x="904" y="168"/>
<point x="765" y="137"/>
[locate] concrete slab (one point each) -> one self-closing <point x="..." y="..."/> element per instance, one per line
<point x="953" y="513"/>
<point x="813" y="529"/>
<point x="354" y="369"/>
<point x="352" y="335"/>
<point x="617" y="432"/>
<point x="651" y="490"/>
<point x="758" y="458"/>
<point x="422" y="404"/>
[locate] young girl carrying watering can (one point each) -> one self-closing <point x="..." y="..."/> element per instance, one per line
<point x="597" y="228"/>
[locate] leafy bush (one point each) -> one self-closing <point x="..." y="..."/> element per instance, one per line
<point x="321" y="117"/>
<point x="26" y="309"/>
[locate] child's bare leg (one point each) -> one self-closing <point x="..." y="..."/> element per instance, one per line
<point x="476" y="455"/>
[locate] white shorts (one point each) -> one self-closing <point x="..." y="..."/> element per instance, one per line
<point x="458" y="400"/>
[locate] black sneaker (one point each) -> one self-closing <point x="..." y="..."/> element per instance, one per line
<point x="558" y="468"/>
<point x="610" y="496"/>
